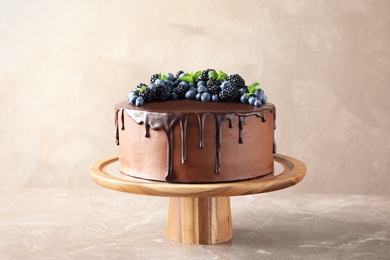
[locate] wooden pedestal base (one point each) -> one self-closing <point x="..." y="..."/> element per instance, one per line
<point x="199" y="213"/>
<point x="199" y="220"/>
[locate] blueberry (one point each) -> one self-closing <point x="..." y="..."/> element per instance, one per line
<point x="205" y="97"/>
<point x="215" y="98"/>
<point x="252" y="100"/>
<point x="225" y="85"/>
<point x="170" y="76"/>
<point x="134" y="92"/>
<point x="159" y="81"/>
<point x="190" y="94"/>
<point x="194" y="89"/>
<point x="259" y="93"/>
<point x="132" y="98"/>
<point x="139" y="101"/>
<point x="198" y="96"/>
<point x="184" y="84"/>
<point x="257" y="103"/>
<point x="264" y="99"/>
<point x="176" y="82"/>
<point x="201" y="82"/>
<point x="153" y="86"/>
<point x="173" y="96"/>
<point x="202" y="89"/>
<point x="243" y="99"/>
<point x="169" y="83"/>
<point x="241" y="91"/>
<point x="182" y="75"/>
<point x="191" y="85"/>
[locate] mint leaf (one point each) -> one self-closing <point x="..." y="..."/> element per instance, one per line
<point x="187" y="78"/>
<point x="222" y="76"/>
<point x="252" y="88"/>
<point x="256" y="85"/>
<point x="191" y="77"/>
<point x="197" y="75"/>
<point x="212" y="75"/>
<point x="143" y="88"/>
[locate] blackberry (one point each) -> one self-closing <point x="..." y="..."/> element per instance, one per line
<point x="237" y="81"/>
<point x="147" y="94"/>
<point x="180" y="91"/>
<point x="205" y="74"/>
<point x="161" y="93"/>
<point x="154" y="77"/>
<point x="212" y="82"/>
<point x="178" y="73"/>
<point x="213" y="87"/>
<point x="230" y="94"/>
<point x="141" y="85"/>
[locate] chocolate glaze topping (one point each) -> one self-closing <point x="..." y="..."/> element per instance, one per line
<point x="164" y="116"/>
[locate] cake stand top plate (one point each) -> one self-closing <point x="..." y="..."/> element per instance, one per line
<point x="293" y="171"/>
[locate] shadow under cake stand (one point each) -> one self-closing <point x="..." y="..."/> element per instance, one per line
<point x="200" y="213"/>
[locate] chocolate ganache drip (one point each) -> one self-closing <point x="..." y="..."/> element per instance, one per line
<point x="163" y="122"/>
<point x="166" y="122"/>
<point x="201" y="118"/>
<point x="117" y="126"/>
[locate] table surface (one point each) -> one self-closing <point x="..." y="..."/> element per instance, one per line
<point x="105" y="224"/>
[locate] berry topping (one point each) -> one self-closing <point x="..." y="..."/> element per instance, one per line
<point x="180" y="91"/>
<point x="213" y="86"/>
<point x="146" y="93"/>
<point x="161" y="93"/>
<point x="154" y="77"/>
<point x="207" y="85"/>
<point x="237" y="81"/>
<point x="179" y="73"/>
<point x="205" y="74"/>
<point x="230" y="94"/>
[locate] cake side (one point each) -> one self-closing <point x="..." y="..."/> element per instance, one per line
<point x="193" y="142"/>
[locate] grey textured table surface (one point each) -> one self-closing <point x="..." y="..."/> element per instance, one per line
<point x="104" y="224"/>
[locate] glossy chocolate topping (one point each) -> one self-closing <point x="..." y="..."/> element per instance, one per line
<point x="165" y="116"/>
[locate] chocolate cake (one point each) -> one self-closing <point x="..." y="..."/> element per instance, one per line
<point x="212" y="128"/>
<point x="195" y="142"/>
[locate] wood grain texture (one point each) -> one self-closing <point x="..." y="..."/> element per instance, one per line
<point x="200" y="220"/>
<point x="294" y="171"/>
<point x="200" y="213"/>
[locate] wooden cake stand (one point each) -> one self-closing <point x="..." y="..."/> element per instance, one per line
<point x="200" y="213"/>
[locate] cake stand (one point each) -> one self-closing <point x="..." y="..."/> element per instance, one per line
<point x="199" y="213"/>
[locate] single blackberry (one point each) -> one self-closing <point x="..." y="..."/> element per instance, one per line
<point x="141" y="85"/>
<point x="180" y="90"/>
<point x="230" y="94"/>
<point x="237" y="81"/>
<point x="154" y="77"/>
<point x="146" y="93"/>
<point x="161" y="93"/>
<point x="205" y="74"/>
<point x="213" y="87"/>
<point x="178" y="73"/>
<point x="212" y="82"/>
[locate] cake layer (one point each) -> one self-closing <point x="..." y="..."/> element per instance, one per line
<point x="195" y="142"/>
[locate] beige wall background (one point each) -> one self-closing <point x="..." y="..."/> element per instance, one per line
<point x="324" y="64"/>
